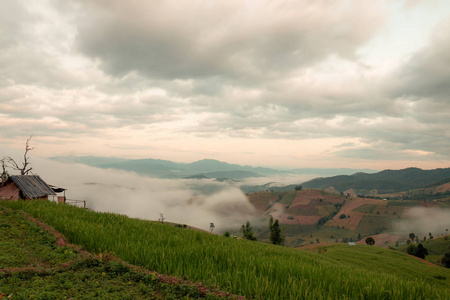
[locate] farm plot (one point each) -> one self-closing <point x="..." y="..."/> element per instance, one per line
<point x="325" y="210"/>
<point x="365" y="208"/>
<point x="373" y="224"/>
<point x="349" y="223"/>
<point x="384" y="239"/>
<point x="262" y="200"/>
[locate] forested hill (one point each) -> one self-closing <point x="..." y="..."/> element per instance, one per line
<point x="386" y="181"/>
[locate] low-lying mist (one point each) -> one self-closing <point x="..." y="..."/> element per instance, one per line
<point x="421" y="221"/>
<point x="187" y="201"/>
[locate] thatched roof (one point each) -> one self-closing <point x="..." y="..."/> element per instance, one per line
<point x="32" y="186"/>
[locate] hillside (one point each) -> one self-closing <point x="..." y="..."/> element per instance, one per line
<point x="436" y="247"/>
<point x="256" y="270"/>
<point x="312" y="216"/>
<point x="387" y="181"/>
<point x="37" y="262"/>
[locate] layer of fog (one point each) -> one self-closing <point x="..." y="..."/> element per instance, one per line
<point x="278" y="181"/>
<point x="423" y="220"/>
<point x="186" y="201"/>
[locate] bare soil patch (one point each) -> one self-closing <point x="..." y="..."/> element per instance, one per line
<point x="383" y="239"/>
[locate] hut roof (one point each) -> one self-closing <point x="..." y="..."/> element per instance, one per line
<point x="32" y="186"/>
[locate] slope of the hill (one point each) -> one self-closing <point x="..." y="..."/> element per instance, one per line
<point x="436" y="247"/>
<point x="253" y="269"/>
<point x="313" y="216"/>
<point x="386" y="181"/>
<point x="37" y="263"/>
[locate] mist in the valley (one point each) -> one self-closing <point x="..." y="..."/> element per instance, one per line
<point x="186" y="201"/>
<point x="279" y="181"/>
<point x="423" y="220"/>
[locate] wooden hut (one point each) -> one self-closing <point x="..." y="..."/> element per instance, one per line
<point x="25" y="187"/>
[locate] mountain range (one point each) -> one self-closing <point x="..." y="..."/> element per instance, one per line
<point x="387" y="181"/>
<point x="206" y="168"/>
<point x="363" y="181"/>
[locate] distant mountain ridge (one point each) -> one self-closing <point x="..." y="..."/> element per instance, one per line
<point x="386" y="181"/>
<point x="209" y="168"/>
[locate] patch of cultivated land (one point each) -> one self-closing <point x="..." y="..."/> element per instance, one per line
<point x="384" y="239"/>
<point x="350" y="208"/>
<point x="36" y="262"/>
<point x="262" y="200"/>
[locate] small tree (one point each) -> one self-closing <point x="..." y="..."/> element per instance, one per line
<point x="4" y="175"/>
<point x="247" y="231"/>
<point x="211" y="227"/>
<point x="412" y="236"/>
<point x="445" y="260"/>
<point x="161" y="218"/>
<point x="226" y="234"/>
<point x="276" y="237"/>
<point x="411" y="249"/>
<point x="370" y="241"/>
<point x="420" y="251"/>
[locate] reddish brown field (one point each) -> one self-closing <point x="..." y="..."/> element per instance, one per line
<point x="443" y="188"/>
<point x="262" y="200"/>
<point x="383" y="239"/>
<point x="349" y="223"/>
<point x="305" y="196"/>
<point x="355" y="217"/>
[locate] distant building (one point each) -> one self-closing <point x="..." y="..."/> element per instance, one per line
<point x="25" y="187"/>
<point x="351" y="243"/>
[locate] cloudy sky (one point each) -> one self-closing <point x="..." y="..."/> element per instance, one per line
<point x="361" y="84"/>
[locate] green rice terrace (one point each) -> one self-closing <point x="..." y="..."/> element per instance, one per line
<point x="240" y="267"/>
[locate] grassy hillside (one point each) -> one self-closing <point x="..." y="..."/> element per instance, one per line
<point x="436" y="247"/>
<point x="37" y="264"/>
<point x="253" y="269"/>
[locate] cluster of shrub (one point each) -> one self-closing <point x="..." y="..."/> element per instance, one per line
<point x="276" y="236"/>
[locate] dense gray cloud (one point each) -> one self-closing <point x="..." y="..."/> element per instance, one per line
<point x="427" y="73"/>
<point x="230" y="39"/>
<point x="236" y="69"/>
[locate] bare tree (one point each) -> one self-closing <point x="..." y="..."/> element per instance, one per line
<point x="211" y="227"/>
<point x="11" y="163"/>
<point x="4" y="174"/>
<point x="161" y="218"/>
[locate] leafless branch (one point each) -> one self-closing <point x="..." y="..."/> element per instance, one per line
<point x="11" y="163"/>
<point x="4" y="174"/>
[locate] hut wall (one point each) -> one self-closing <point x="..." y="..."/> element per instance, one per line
<point x="9" y="191"/>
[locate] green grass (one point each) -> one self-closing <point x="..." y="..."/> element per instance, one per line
<point x="256" y="270"/>
<point x="325" y="210"/>
<point x="366" y="208"/>
<point x="33" y="266"/>
<point x="444" y="204"/>
<point x="403" y="203"/>
<point x="374" y="224"/>
<point x="436" y="247"/>
<point x="288" y="197"/>
<point x="325" y="233"/>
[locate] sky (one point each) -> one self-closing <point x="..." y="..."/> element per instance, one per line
<point x="288" y="84"/>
